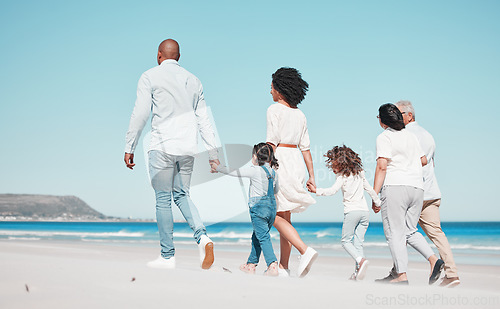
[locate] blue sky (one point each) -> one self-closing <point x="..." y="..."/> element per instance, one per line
<point x="70" y="70"/>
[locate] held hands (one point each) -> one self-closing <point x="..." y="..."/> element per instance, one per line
<point x="375" y="208"/>
<point x="213" y="165"/>
<point x="311" y="188"/>
<point x="129" y="160"/>
<point x="311" y="185"/>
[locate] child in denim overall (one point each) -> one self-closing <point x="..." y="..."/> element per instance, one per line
<point x="262" y="205"/>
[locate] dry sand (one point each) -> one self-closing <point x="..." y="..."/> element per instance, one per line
<point x="88" y="275"/>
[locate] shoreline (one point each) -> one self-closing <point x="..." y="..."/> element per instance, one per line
<point x="82" y="221"/>
<point x="472" y="244"/>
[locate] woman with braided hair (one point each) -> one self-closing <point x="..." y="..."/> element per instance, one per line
<point x="287" y="134"/>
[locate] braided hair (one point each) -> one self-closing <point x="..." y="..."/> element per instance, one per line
<point x="264" y="153"/>
<point x="344" y="160"/>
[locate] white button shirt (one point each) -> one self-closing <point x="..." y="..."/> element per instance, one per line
<point x="175" y="98"/>
<point x="428" y="145"/>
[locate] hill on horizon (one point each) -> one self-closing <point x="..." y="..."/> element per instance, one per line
<point x="46" y="207"/>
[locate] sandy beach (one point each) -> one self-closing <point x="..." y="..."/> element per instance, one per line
<point x="61" y="274"/>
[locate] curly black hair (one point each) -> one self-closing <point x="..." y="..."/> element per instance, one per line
<point x="289" y="83"/>
<point x="265" y="153"/>
<point x="390" y="115"/>
<point x="344" y="160"/>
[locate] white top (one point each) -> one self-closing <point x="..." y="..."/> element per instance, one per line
<point x="431" y="188"/>
<point x="403" y="153"/>
<point x="175" y="97"/>
<point x="353" y="188"/>
<point x="258" y="178"/>
<point x="287" y="126"/>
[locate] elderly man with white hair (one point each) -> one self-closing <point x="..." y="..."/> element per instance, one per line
<point x="429" y="218"/>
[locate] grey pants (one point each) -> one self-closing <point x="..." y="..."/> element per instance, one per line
<point x="401" y="207"/>
<point x="353" y="232"/>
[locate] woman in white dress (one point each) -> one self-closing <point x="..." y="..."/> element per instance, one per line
<point x="287" y="133"/>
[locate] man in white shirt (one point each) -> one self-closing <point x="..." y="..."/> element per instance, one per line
<point x="429" y="218"/>
<point x="175" y="98"/>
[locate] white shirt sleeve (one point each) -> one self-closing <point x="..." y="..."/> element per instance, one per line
<point x="244" y="172"/>
<point x="205" y="126"/>
<point x="272" y="127"/>
<point x="384" y="149"/>
<point x="333" y="189"/>
<point x="368" y="188"/>
<point x="305" y="143"/>
<point x="419" y="149"/>
<point x="140" y="115"/>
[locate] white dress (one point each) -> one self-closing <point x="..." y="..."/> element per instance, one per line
<point x="287" y="125"/>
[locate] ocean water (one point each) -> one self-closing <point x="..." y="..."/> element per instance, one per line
<point x="471" y="242"/>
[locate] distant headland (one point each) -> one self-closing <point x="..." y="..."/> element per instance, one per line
<point x="34" y="207"/>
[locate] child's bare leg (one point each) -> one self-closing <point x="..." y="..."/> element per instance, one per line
<point x="288" y="237"/>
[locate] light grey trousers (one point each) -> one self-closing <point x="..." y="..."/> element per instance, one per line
<point x="353" y="232"/>
<point x="401" y="207"/>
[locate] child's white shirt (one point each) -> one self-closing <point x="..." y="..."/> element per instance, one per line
<point x="353" y="188"/>
<point x="258" y="178"/>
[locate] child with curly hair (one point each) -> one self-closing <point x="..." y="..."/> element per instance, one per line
<point x="347" y="166"/>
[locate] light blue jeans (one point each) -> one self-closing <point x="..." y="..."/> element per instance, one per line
<point x="353" y="232"/>
<point x="262" y="213"/>
<point x="171" y="177"/>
